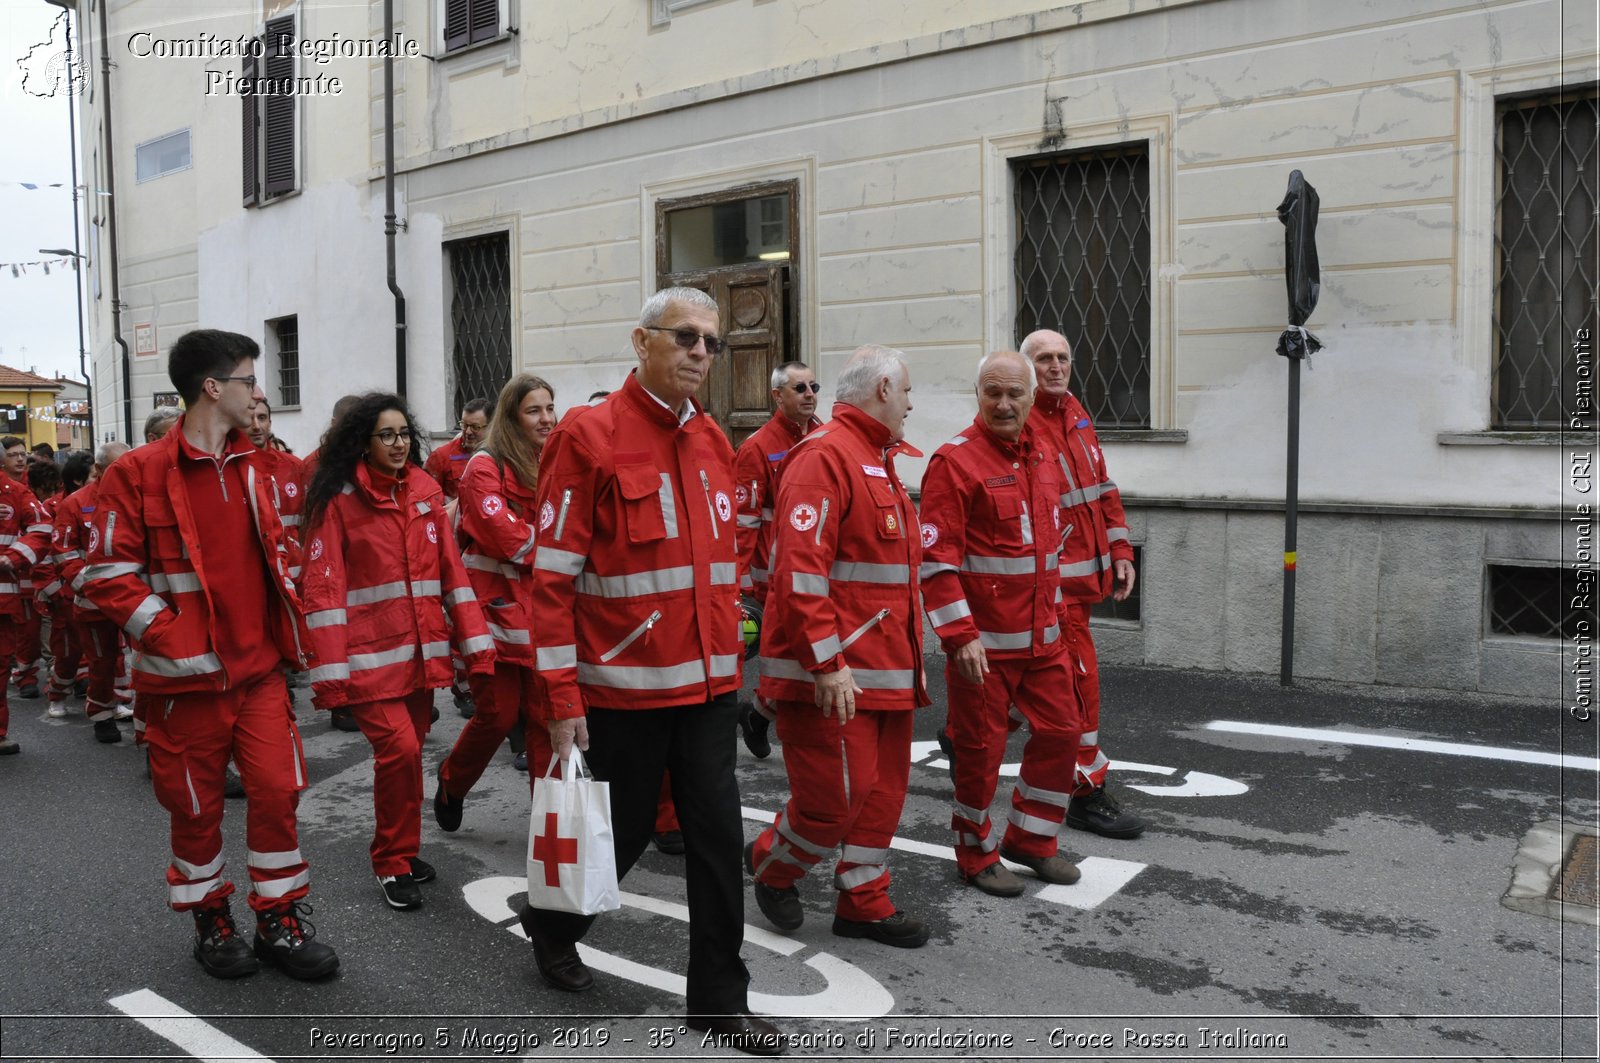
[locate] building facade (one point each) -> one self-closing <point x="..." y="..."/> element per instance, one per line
<point x="940" y="178"/>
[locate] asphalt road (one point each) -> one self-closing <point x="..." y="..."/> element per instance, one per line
<point x="1295" y="898"/>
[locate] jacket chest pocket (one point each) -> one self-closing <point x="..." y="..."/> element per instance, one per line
<point x="161" y="527"/>
<point x="1013" y="521"/>
<point x="648" y="506"/>
<point x="889" y="514"/>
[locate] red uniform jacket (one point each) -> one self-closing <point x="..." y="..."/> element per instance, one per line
<point x="288" y="481"/>
<point x="497" y="537"/>
<point x="991" y="542"/>
<point x="25" y="533"/>
<point x="73" y="517"/>
<point x="386" y="594"/>
<point x="844" y="576"/>
<point x="447" y="464"/>
<point x="46" y="575"/>
<point x="756" y="466"/>
<point x="1090" y="502"/>
<point x="635" y="579"/>
<point x="141" y="570"/>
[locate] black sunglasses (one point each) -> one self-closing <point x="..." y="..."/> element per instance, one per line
<point x="801" y="389"/>
<point x="687" y="338"/>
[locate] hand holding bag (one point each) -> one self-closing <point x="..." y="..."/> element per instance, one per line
<point x="572" y="860"/>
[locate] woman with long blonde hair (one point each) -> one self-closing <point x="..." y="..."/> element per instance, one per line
<point x="497" y="528"/>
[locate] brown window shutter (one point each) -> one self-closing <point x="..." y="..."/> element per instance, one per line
<point x="280" y="106"/>
<point x="251" y="164"/>
<point x="457" y="24"/>
<point x="485" y="20"/>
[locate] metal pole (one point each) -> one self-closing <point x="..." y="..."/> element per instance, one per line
<point x="77" y="245"/>
<point x="1291" y="519"/>
<point x="389" y="220"/>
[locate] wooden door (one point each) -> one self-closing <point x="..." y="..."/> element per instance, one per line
<point x="737" y="394"/>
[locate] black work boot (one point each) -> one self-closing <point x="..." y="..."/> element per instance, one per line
<point x="781" y="905"/>
<point x="1099" y="813"/>
<point x="753" y="726"/>
<point x="286" y="940"/>
<point x="218" y="946"/>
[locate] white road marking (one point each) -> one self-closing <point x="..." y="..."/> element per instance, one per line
<point x="848" y="991"/>
<point x="1194" y="784"/>
<point x="196" y="1037"/>
<point x="1419" y="745"/>
<point x="1102" y="876"/>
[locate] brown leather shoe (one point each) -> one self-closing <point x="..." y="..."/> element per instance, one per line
<point x="997" y="881"/>
<point x="1056" y="868"/>
<point x="558" y="964"/>
<point x="743" y="1031"/>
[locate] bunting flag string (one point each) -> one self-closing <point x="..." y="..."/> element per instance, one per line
<point x="34" y="186"/>
<point x="20" y="269"/>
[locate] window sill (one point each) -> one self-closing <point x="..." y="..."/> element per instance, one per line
<point x="1504" y="439"/>
<point x="1118" y="625"/>
<point x="1142" y="435"/>
<point x="287" y="409"/>
<point x="475" y="48"/>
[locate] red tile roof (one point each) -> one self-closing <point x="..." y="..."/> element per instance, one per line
<point x="16" y="380"/>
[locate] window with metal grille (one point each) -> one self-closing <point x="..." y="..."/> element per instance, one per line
<point x="1537" y="601"/>
<point x="470" y="21"/>
<point x="1082" y="268"/>
<point x="480" y="315"/>
<point x="287" y="331"/>
<point x="268" y="130"/>
<point x="1128" y="608"/>
<point x="1546" y="250"/>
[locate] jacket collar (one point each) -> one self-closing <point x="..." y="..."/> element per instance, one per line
<point x="235" y="445"/>
<point x="655" y="410"/>
<point x="379" y="489"/>
<point x="1022" y="446"/>
<point x="794" y="432"/>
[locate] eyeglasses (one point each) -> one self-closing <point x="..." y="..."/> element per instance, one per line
<point x="801" y="389"/>
<point x="687" y="338"/>
<point x="247" y="381"/>
<point x="463" y="426"/>
<point x="389" y="437"/>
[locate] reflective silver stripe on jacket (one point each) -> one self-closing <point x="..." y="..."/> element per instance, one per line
<point x="175" y="668"/>
<point x="110" y="570"/>
<point x="425" y="588"/>
<point x="749" y="522"/>
<point x="826" y="649"/>
<point x="327" y="673"/>
<point x="1086" y="494"/>
<point x="998" y="566"/>
<point x="946" y="614"/>
<point x="669" y="507"/>
<point x="809" y="583"/>
<point x="460" y="596"/>
<point x="174" y="582"/>
<point x="563" y="562"/>
<point x="930" y="569"/>
<point x="366" y="662"/>
<point x="867" y="572"/>
<point x="291" y="520"/>
<point x="510" y="636"/>
<point x="549" y="658"/>
<point x="434" y="650"/>
<point x="143" y="616"/>
<point x="477" y="644"/>
<point x="1117" y="534"/>
<point x="639" y="677"/>
<point x="724" y="573"/>
<point x="484" y="563"/>
<point x="1086" y="568"/>
<point x="382" y="592"/>
<point x="7" y="540"/>
<point x="866" y="678"/>
<point x="325" y="618"/>
<point x="635" y="584"/>
<point x="523" y="550"/>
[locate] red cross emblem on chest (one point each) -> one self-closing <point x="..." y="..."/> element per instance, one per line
<point x="553" y="850"/>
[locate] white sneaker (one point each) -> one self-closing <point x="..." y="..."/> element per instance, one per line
<point x="124" y="712"/>
<point x="56" y="710"/>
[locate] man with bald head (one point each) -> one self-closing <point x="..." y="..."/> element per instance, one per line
<point x="991" y="535"/>
<point x="841" y="656"/>
<point x="1096" y="562"/>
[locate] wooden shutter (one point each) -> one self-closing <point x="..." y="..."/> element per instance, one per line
<point x="485" y="20"/>
<point x="457" y="24"/>
<point x="252" y="133"/>
<point x="280" y="106"/>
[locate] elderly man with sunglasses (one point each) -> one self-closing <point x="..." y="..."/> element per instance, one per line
<point x="794" y="398"/>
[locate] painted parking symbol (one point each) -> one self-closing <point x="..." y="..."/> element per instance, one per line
<point x="1193" y="784"/>
<point x="848" y="991"/>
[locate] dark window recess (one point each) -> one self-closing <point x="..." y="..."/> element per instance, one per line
<point x="287" y="330"/>
<point x="1538" y="601"/>
<point x="1082" y="268"/>
<point x="480" y="315"/>
<point x="470" y="21"/>
<point x="1128" y="609"/>
<point x="1546" y="251"/>
<point x="15" y="419"/>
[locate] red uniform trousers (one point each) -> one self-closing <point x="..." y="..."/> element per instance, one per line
<point x="499" y="702"/>
<point x="9" y="632"/>
<point x="102" y="644"/>
<point x="29" y="646"/>
<point x="1040" y="689"/>
<point x="666" y="812"/>
<point x="66" y="650"/>
<point x="191" y="738"/>
<point x="395" y="728"/>
<point x="847" y="784"/>
<point x="1092" y="762"/>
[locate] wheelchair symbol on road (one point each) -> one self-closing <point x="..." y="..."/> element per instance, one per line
<point x="1194" y="783"/>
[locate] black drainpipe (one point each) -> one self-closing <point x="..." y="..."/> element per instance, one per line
<point x="111" y="224"/>
<point x="389" y="226"/>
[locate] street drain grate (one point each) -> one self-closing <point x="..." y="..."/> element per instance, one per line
<point x="1577" y="881"/>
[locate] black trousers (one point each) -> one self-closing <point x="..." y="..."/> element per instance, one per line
<point x="630" y="748"/>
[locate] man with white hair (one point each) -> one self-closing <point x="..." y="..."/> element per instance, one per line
<point x="841" y="656"/>
<point x="794" y="400"/>
<point x="991" y="541"/>
<point x="1096" y="561"/>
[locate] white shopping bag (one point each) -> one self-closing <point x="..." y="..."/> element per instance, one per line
<point x="572" y="862"/>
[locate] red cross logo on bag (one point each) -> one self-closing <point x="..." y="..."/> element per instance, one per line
<point x="552" y="850"/>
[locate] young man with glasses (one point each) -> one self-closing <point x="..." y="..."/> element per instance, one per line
<point x="794" y="400"/>
<point x="187" y="555"/>
<point x="448" y="462"/>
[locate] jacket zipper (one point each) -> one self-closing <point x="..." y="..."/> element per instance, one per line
<point x="863" y="629"/>
<point x="561" y="519"/>
<point x="705" y="481"/>
<point x="632" y="637"/>
<point x="822" y="520"/>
